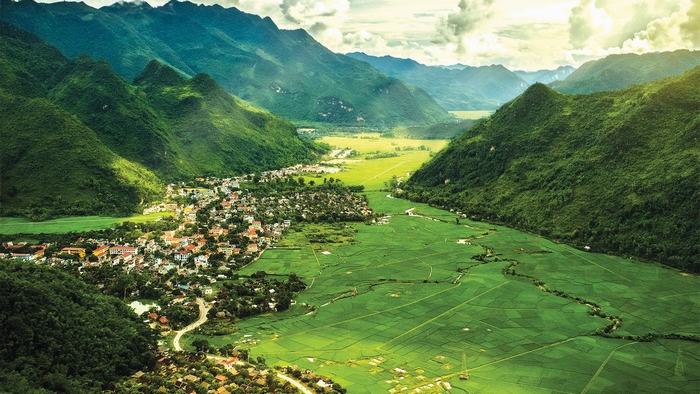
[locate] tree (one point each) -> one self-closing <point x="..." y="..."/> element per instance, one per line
<point x="201" y="345"/>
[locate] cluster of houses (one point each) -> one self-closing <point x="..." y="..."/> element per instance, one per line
<point x="219" y="228"/>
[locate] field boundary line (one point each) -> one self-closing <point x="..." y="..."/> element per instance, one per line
<point x="461" y="304"/>
<point x="377" y="312"/>
<point x="602" y="366"/>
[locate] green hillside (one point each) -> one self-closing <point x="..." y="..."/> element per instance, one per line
<point x="61" y="335"/>
<point x="287" y="72"/>
<point x="81" y="140"/>
<point x="462" y="88"/>
<point x="621" y="71"/>
<point x="618" y="171"/>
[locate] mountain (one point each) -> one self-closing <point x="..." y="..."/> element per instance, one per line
<point x="621" y="71"/>
<point x="94" y="143"/>
<point x="61" y="335"/>
<point x="619" y="171"/>
<point x="455" y="88"/>
<point x="545" y="76"/>
<point x="285" y="71"/>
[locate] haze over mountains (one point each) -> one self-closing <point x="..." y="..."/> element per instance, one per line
<point x="620" y="71"/>
<point x="460" y="87"/>
<point x="286" y="72"/>
<point x="92" y="142"/>
<point x="619" y="170"/>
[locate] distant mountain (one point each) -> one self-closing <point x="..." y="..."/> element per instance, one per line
<point x="621" y="71"/>
<point x="78" y="139"/>
<point x="619" y="171"/>
<point x="545" y="76"/>
<point x="287" y="72"/>
<point x="457" y="87"/>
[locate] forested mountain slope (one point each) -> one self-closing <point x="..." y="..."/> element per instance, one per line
<point x="61" y="335"/>
<point x="287" y="72"/>
<point x="79" y="139"/>
<point x="619" y="171"/>
<point x="621" y="71"/>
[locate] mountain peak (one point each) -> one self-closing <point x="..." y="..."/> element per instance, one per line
<point x="159" y="74"/>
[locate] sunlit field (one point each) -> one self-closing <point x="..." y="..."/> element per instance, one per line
<point x="70" y="224"/>
<point x="471" y="114"/>
<point x="434" y="303"/>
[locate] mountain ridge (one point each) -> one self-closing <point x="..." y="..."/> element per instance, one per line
<point x="284" y="71"/>
<point x="619" y="171"/>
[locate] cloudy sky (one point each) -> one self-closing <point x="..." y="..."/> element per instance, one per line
<point x="521" y="34"/>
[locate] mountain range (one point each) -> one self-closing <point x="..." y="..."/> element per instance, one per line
<point x="79" y="139"/>
<point x="284" y="71"/>
<point x="459" y="87"/>
<point x="617" y="171"/>
<point x="621" y="71"/>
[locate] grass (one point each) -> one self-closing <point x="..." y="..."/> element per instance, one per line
<point x="374" y="173"/>
<point x="471" y="114"/>
<point x="395" y="299"/>
<point x="10" y="225"/>
<point x="405" y="305"/>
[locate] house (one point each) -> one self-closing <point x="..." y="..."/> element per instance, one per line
<point x="101" y="253"/>
<point x="22" y="256"/>
<point x="74" y="251"/>
<point x="252" y="248"/>
<point x="201" y="260"/>
<point x="123" y="250"/>
<point x="163" y="320"/>
<point x="182" y="255"/>
<point x="252" y="232"/>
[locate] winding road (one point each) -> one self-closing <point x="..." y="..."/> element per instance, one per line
<point x="203" y="310"/>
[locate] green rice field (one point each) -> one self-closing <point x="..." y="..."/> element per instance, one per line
<point x="70" y="224"/>
<point x="426" y="303"/>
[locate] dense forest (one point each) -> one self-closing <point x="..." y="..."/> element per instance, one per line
<point x="95" y="143"/>
<point x="59" y="334"/>
<point x="616" y="171"/>
<point x="284" y="71"/>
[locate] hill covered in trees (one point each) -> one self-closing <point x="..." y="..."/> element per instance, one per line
<point x="285" y="71"/>
<point x="619" y="171"/>
<point x="616" y="72"/>
<point x="79" y="139"/>
<point x="61" y="335"/>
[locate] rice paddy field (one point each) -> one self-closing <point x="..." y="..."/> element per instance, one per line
<point x="471" y="114"/>
<point x="426" y="303"/>
<point x="373" y="173"/>
<point x="70" y="224"/>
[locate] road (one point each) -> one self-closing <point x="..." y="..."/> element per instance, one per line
<point x="203" y="310"/>
<point x="295" y="383"/>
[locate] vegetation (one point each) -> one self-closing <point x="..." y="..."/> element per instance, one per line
<point x="404" y="314"/>
<point x="621" y="71"/>
<point x="373" y="174"/>
<point x="287" y="72"/>
<point x="69" y="224"/>
<point x="61" y="335"/>
<point x="440" y="131"/>
<point x="461" y="88"/>
<point x="618" y="172"/>
<point x="96" y="144"/>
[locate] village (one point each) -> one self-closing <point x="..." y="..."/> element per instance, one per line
<point x="216" y="226"/>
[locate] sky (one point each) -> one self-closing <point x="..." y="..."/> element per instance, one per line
<point x="520" y="34"/>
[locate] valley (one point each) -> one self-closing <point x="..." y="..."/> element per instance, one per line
<point x="432" y="301"/>
<point x="340" y="196"/>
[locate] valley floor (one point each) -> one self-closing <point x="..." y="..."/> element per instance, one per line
<point x="426" y="302"/>
<point x="9" y="225"/>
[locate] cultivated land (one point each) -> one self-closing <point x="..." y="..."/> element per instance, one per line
<point x="70" y="224"/>
<point x="471" y="114"/>
<point x="423" y="298"/>
<point x="374" y="173"/>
